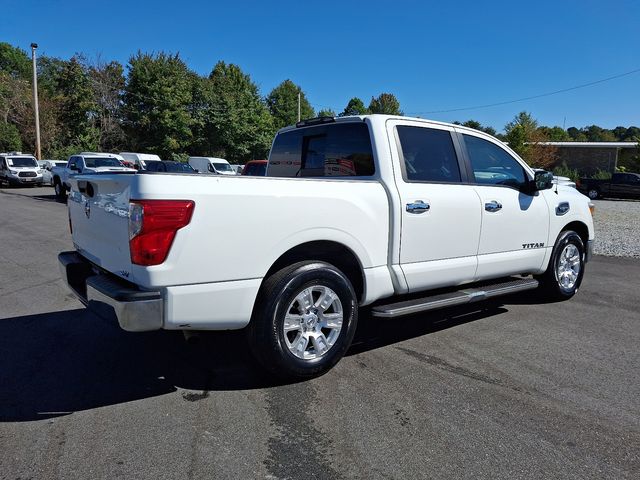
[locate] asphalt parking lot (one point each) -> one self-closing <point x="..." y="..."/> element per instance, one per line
<point x="504" y="390"/>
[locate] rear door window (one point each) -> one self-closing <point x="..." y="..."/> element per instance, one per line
<point x="334" y="150"/>
<point x="429" y="155"/>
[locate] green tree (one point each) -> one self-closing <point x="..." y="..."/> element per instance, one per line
<point x="385" y="103"/>
<point x="354" y="107"/>
<point x="77" y="107"/>
<point x="326" y="112"/>
<point x="9" y="138"/>
<point x="576" y="135"/>
<point x="157" y="98"/>
<point x="14" y="61"/>
<point x="527" y="140"/>
<point x="524" y="120"/>
<point x="555" y="134"/>
<point x="283" y="104"/>
<point x="107" y="85"/>
<point x="237" y="123"/>
<point x="595" y="133"/>
<point x="478" y="126"/>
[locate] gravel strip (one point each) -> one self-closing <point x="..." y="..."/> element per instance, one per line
<point x="617" y="224"/>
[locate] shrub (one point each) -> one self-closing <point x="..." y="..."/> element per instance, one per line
<point x="601" y="175"/>
<point x="564" y="170"/>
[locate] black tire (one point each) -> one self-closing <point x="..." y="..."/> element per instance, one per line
<point x="278" y="293"/>
<point x="550" y="283"/>
<point x="61" y="192"/>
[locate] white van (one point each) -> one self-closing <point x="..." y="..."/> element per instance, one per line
<point x="139" y="160"/>
<point x="216" y="166"/>
<point x="18" y="169"/>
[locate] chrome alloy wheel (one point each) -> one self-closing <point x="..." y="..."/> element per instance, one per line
<point x="568" y="267"/>
<point x="313" y="322"/>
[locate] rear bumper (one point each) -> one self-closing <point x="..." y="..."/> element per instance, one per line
<point x="109" y="297"/>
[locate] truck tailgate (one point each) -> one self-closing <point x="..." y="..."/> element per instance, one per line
<point x="99" y="216"/>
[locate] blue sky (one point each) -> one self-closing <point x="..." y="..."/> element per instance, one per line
<point x="433" y="55"/>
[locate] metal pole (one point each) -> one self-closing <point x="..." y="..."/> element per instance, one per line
<point x="35" y="100"/>
<point x="298" y="105"/>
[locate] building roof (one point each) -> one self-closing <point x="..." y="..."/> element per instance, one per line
<point x="593" y="144"/>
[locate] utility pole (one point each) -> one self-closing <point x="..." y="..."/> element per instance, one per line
<point x="298" y="105"/>
<point x="35" y="99"/>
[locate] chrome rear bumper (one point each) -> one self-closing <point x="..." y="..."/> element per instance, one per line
<point x="110" y="297"/>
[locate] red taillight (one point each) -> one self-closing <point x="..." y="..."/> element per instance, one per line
<point x="152" y="227"/>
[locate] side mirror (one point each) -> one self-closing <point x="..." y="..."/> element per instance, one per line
<point x="542" y="180"/>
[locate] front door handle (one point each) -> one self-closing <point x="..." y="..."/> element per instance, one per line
<point x="492" y="206"/>
<point x="418" y="207"/>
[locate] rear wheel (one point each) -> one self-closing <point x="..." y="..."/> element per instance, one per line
<point x="566" y="267"/>
<point x="304" y="320"/>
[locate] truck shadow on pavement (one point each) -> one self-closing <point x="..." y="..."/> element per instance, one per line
<point x="57" y="363"/>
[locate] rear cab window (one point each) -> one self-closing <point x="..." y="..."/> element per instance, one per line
<point x="332" y="150"/>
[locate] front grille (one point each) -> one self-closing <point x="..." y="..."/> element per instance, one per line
<point x="27" y="174"/>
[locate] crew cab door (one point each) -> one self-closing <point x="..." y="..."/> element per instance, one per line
<point x="515" y="224"/>
<point x="440" y="211"/>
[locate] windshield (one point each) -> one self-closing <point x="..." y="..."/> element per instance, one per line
<point x="222" y="167"/>
<point x="179" y="167"/>
<point x="94" y="162"/>
<point x="22" y="162"/>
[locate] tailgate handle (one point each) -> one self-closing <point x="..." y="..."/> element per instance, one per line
<point x="86" y="187"/>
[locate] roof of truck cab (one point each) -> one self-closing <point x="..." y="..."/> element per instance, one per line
<point x="383" y="118"/>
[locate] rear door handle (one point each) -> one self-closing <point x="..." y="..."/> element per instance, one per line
<point x="492" y="206"/>
<point x="418" y="207"/>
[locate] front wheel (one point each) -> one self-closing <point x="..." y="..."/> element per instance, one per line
<point x="304" y="320"/>
<point x="566" y="267"/>
<point x="61" y="193"/>
<point x="593" y="193"/>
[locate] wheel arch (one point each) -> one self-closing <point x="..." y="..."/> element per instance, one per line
<point x="580" y="228"/>
<point x="334" y="253"/>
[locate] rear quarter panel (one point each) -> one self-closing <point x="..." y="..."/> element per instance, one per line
<point x="241" y="225"/>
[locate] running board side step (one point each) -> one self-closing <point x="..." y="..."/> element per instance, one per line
<point x="458" y="297"/>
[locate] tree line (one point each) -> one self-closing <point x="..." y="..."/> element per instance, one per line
<point x="157" y="104"/>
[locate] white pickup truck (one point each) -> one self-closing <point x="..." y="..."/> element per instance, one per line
<point x="402" y="214"/>
<point x="85" y="162"/>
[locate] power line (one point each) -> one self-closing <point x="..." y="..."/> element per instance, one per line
<point x="476" y="107"/>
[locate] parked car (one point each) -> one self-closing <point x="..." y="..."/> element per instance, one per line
<point x="170" y="167"/>
<point x="237" y="169"/>
<point x="138" y="161"/>
<point x="621" y="185"/>
<point x="85" y="162"/>
<point x="17" y="168"/>
<point x="445" y="213"/>
<point x="216" y="166"/>
<point x="256" y="168"/>
<point x="47" y="166"/>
